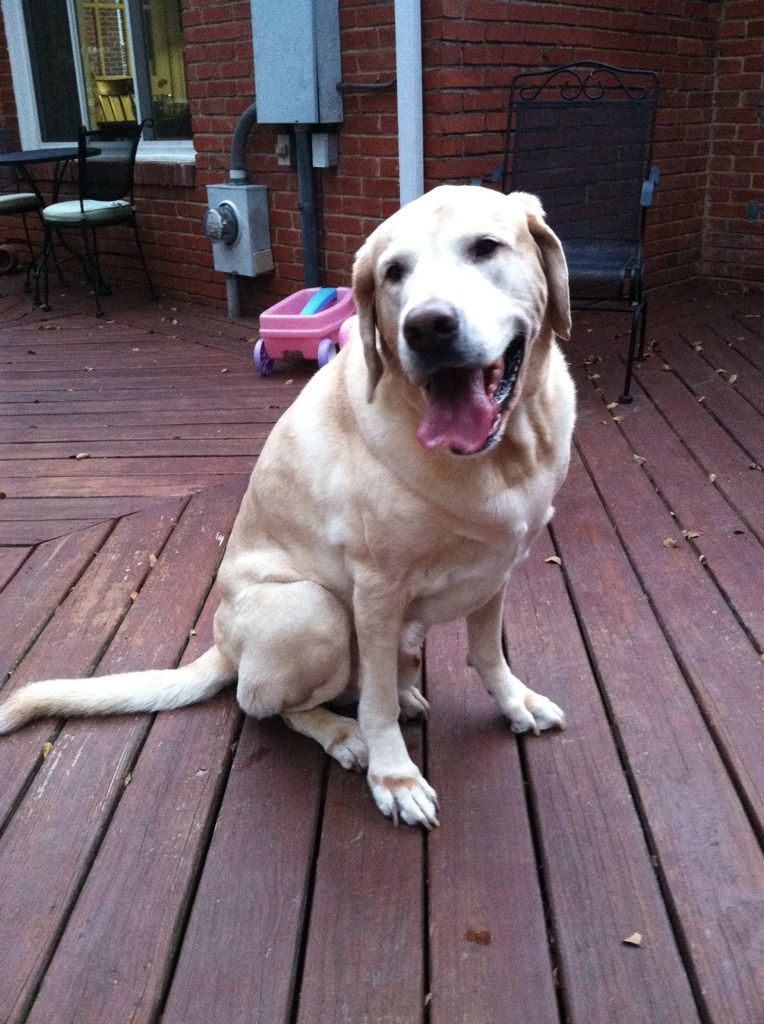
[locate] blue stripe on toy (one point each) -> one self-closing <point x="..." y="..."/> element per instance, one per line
<point x="320" y="300"/>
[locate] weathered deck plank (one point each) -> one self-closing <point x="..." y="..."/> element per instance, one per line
<point x="701" y="835"/>
<point x="730" y="551"/>
<point x="596" y="860"/>
<point x="488" y="940"/>
<point x="51" y="840"/>
<point x="364" y="959"/>
<point x="245" y="930"/>
<point x="108" y="965"/>
<point x="34" y="593"/>
<point x="713" y="649"/>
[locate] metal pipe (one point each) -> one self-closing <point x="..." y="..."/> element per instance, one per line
<point x="307" y="205"/>
<point x="233" y="295"/>
<point x="245" y="124"/>
<point x="408" y="64"/>
<point x="238" y="173"/>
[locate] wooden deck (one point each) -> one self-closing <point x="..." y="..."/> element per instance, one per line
<point x="195" y="867"/>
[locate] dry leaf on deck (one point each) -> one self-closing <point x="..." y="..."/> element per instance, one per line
<point x="639" y="459"/>
<point x="635" y="939"/>
<point x="691" y="534"/>
<point x="81" y="455"/>
<point x="153" y="560"/>
<point x="553" y="560"/>
<point x="46" y="749"/>
<point x="712" y="477"/>
<point x="669" y="542"/>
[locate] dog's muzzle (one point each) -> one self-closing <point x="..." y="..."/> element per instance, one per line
<point x="465" y="403"/>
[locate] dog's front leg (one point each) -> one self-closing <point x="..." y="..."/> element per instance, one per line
<point x="525" y="709"/>
<point x="397" y="785"/>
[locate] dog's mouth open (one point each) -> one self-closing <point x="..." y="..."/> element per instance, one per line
<point x="466" y="405"/>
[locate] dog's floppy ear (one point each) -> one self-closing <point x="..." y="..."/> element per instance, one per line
<point x="554" y="264"/>
<point x="363" y="294"/>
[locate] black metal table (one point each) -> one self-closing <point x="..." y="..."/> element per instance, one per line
<point x="61" y="156"/>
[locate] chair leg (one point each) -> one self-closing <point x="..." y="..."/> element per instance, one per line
<point x="32" y="258"/>
<point x="92" y="269"/>
<point x="642" y="331"/>
<point x="152" y="289"/>
<point x="637" y="332"/>
<point x="42" y="269"/>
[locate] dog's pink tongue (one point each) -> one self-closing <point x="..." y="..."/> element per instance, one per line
<point x="459" y="413"/>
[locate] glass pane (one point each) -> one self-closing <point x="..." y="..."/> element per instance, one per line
<point x="55" y="83"/>
<point x="167" y="74"/>
<point x="107" y="65"/>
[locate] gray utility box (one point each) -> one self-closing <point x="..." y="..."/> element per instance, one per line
<point x="297" y="61"/>
<point x="237" y="224"/>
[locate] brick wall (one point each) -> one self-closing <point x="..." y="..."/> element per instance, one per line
<point x="734" y="240"/>
<point x="474" y="47"/>
<point x="471" y="50"/>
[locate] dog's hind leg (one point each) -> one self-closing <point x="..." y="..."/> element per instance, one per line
<point x="410" y="697"/>
<point x="293" y="643"/>
<point x="526" y="710"/>
<point x="338" y="735"/>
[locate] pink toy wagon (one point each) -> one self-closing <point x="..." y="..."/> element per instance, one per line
<point x="309" y="322"/>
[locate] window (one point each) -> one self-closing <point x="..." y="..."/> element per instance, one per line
<point x="96" y="62"/>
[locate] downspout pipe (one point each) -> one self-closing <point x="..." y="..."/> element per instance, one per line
<point x="307" y="204"/>
<point x="408" y="62"/>
<point x="237" y="173"/>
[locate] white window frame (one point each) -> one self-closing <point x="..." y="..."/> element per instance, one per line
<point x="150" y="150"/>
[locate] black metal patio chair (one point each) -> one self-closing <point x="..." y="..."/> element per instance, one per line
<point x="580" y="136"/>
<point x="105" y="169"/>
<point x="15" y="202"/>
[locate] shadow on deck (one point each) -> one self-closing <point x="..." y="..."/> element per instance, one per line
<point x="195" y="867"/>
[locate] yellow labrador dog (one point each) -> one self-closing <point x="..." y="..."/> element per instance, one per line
<point x="398" y="491"/>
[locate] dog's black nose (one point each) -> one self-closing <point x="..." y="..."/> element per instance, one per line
<point x="431" y="324"/>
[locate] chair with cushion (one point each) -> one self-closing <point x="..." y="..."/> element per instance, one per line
<point x="13" y="201"/>
<point x="580" y="136"/>
<point x="105" y="168"/>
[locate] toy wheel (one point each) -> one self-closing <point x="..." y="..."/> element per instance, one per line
<point x="327" y="350"/>
<point x="263" y="361"/>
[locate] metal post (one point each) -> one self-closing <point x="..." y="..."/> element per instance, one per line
<point x="307" y="205"/>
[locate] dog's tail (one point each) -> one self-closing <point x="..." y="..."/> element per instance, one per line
<point x="155" y="690"/>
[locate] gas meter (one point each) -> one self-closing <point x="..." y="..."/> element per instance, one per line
<point x="237" y="225"/>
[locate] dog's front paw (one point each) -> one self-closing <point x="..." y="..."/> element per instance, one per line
<point x="408" y="796"/>
<point x="535" y="713"/>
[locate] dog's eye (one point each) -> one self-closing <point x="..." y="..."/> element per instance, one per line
<point x="394" y="272"/>
<point x="484" y="248"/>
